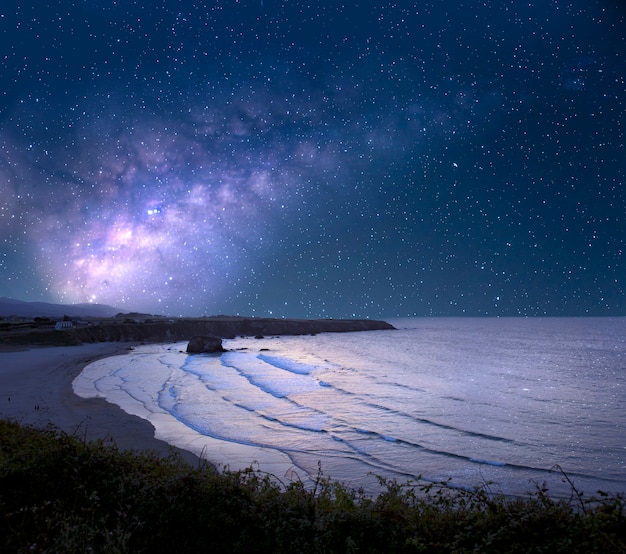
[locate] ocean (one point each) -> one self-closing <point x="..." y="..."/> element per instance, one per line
<point x="500" y="403"/>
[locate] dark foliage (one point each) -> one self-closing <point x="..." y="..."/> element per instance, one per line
<point x="60" y="494"/>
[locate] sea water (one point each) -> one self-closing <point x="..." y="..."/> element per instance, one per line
<point x="502" y="403"/>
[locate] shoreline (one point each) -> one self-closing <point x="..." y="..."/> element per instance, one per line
<point x="219" y="452"/>
<point x="36" y="389"/>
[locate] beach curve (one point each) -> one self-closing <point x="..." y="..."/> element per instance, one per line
<point x="36" y="389"/>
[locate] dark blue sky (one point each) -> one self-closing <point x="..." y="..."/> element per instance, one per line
<point x="311" y="159"/>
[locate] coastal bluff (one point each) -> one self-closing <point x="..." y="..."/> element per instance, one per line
<point x="178" y="329"/>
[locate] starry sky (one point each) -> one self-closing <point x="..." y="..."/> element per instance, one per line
<point x="315" y="158"/>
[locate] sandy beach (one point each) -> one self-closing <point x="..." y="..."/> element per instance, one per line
<point x="36" y="389"/>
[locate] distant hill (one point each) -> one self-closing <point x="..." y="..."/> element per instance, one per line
<point x="9" y="307"/>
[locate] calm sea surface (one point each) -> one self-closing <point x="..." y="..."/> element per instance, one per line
<point x="480" y="401"/>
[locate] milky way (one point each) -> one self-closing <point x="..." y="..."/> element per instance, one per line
<point x="277" y="158"/>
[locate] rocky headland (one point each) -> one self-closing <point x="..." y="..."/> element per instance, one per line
<point x="171" y="330"/>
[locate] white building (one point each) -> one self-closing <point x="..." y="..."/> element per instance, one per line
<point x="60" y="325"/>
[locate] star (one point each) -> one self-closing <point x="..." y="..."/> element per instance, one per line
<point x="307" y="159"/>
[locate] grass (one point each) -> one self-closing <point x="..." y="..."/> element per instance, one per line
<point x="59" y="493"/>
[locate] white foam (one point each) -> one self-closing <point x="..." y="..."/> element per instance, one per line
<point x="440" y="398"/>
<point x="135" y="382"/>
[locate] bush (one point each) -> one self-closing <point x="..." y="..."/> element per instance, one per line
<point x="61" y="494"/>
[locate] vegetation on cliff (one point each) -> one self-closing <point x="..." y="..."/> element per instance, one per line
<point x="175" y="329"/>
<point x="61" y="494"/>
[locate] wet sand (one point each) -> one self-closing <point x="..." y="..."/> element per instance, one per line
<point x="36" y="389"/>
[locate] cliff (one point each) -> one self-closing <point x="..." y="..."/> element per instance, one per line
<point x="185" y="328"/>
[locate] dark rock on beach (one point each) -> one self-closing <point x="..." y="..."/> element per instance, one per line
<point x="205" y="345"/>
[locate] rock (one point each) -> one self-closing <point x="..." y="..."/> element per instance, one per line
<point x="180" y="329"/>
<point x="205" y="345"/>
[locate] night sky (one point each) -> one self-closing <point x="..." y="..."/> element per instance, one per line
<point x="310" y="159"/>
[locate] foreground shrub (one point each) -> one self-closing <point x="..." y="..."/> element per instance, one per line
<point x="61" y="494"/>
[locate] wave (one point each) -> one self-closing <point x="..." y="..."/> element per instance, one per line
<point x="259" y="372"/>
<point x="359" y="413"/>
<point x="445" y="426"/>
<point x="255" y="371"/>
<point x="307" y="369"/>
<point x="288" y="364"/>
<point x="453" y="455"/>
<point x="269" y="377"/>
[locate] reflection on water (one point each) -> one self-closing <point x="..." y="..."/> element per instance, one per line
<point x="476" y="400"/>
